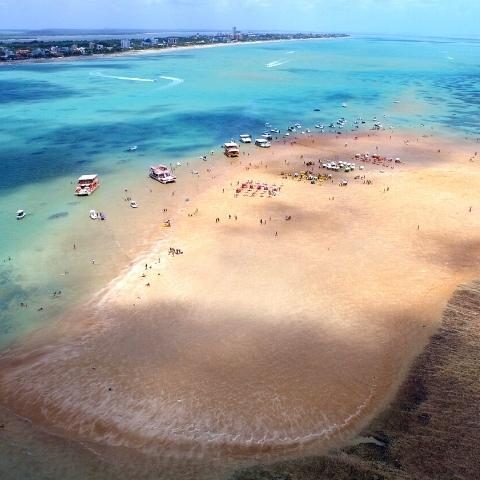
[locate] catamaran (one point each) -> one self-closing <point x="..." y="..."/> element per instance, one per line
<point x="231" y="149"/>
<point x="162" y="174"/>
<point x="87" y="184"/>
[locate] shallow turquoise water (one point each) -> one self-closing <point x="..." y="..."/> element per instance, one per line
<point x="60" y="120"/>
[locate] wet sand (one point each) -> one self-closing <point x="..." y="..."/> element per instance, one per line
<point x="264" y="338"/>
<point x="430" y="431"/>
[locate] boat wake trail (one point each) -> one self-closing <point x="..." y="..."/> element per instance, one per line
<point x="276" y="63"/>
<point x="129" y="79"/>
<point x="174" y="81"/>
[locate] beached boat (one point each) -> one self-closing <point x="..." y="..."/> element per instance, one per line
<point x="87" y="184"/>
<point x="133" y="204"/>
<point x="161" y="174"/>
<point x="231" y="149"/>
<point x="262" y="143"/>
<point x="246" y="138"/>
<point x="267" y="136"/>
<point x="93" y="215"/>
<point x="20" y="214"/>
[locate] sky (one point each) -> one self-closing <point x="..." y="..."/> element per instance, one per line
<point x="427" y="17"/>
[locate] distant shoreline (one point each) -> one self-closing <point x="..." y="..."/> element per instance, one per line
<point x="130" y="53"/>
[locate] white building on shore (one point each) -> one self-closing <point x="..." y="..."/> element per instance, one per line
<point x="125" y="44"/>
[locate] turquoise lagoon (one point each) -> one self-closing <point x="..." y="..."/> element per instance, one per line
<point x="62" y="119"/>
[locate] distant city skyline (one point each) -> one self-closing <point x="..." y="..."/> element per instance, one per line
<point x="410" y="17"/>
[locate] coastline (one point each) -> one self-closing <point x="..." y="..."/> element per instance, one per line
<point x="127" y="288"/>
<point x="157" y="51"/>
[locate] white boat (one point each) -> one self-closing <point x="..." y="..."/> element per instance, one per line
<point x="344" y="105"/>
<point x="132" y="148"/>
<point x="246" y="138"/>
<point x="20" y="214"/>
<point x="275" y="130"/>
<point x="262" y="143"/>
<point x="93" y="215"/>
<point x="267" y="136"/>
<point x="133" y="204"/>
<point x="87" y="184"/>
<point x="161" y="174"/>
<point x="231" y="149"/>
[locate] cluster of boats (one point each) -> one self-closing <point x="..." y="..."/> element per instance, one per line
<point x="87" y="184"/>
<point x="344" y="166"/>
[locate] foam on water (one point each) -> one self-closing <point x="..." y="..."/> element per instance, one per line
<point x="174" y="81"/>
<point x="276" y="63"/>
<point x="129" y="79"/>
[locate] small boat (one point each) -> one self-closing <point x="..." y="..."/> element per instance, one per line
<point x="102" y="216"/>
<point x="93" y="215"/>
<point x="246" y="138"/>
<point x="133" y="204"/>
<point x="20" y="214"/>
<point x="275" y="130"/>
<point x="262" y="143"/>
<point x="344" y="105"/>
<point x="132" y="148"/>
<point x="167" y="224"/>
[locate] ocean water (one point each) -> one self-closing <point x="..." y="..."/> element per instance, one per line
<point x="63" y="119"/>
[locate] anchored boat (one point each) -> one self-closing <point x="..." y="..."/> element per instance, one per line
<point x="87" y="184"/>
<point x="161" y="174"/>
